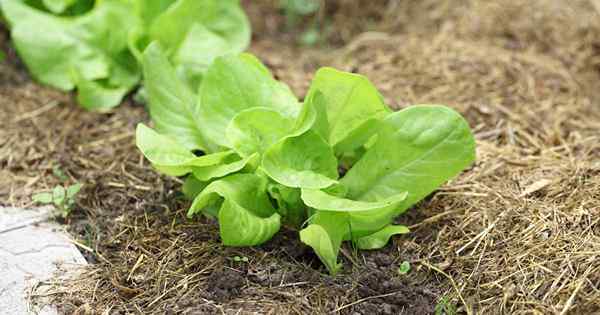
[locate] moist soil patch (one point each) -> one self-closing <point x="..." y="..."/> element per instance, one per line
<point x="516" y="233"/>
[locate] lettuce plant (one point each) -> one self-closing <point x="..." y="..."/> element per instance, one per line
<point x="91" y="45"/>
<point x="267" y="160"/>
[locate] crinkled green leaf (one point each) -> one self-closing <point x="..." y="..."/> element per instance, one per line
<point x="256" y="129"/>
<point x="230" y="164"/>
<point x="174" y="109"/>
<point x="351" y="102"/>
<point x="380" y="238"/>
<point x="233" y="84"/>
<point x="304" y="161"/>
<point x="94" y="45"/>
<point x="325" y="234"/>
<point x="170" y="157"/>
<point x="246" y="216"/>
<point x="417" y="149"/>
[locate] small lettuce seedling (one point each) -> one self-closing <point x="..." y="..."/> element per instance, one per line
<point x="269" y="160"/>
<point x="92" y="45"/>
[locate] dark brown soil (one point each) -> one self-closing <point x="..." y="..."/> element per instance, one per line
<point x="517" y="233"/>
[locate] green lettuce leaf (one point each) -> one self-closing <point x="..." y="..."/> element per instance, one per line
<point x="236" y="83"/>
<point x="324" y="235"/>
<point x="337" y="219"/>
<point x="229" y="165"/>
<point x="353" y="106"/>
<point x="314" y="115"/>
<point x="363" y="217"/>
<point x="417" y="150"/>
<point x="192" y="187"/>
<point x="193" y="32"/>
<point x="246" y="216"/>
<point x="289" y="204"/>
<point x="380" y="238"/>
<point x="256" y="129"/>
<point x="77" y="51"/>
<point x="304" y="161"/>
<point x="174" y="108"/>
<point x="97" y="95"/>
<point x="171" y="158"/>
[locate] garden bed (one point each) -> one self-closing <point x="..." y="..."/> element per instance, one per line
<point x="519" y="231"/>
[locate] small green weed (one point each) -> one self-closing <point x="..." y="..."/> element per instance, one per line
<point x="62" y="198"/>
<point x="445" y="307"/>
<point x="240" y="259"/>
<point x="404" y="268"/>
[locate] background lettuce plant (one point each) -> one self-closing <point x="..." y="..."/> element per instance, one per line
<point x="91" y="45"/>
<point x="270" y="161"/>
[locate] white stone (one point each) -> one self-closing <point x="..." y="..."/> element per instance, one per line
<point x="32" y="247"/>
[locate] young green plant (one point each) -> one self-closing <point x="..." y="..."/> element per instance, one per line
<point x="269" y="160"/>
<point x="62" y="198"/>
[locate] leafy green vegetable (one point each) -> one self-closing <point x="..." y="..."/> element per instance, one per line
<point x="228" y="166"/>
<point x="256" y="129"/>
<point x="354" y="220"/>
<point x="192" y="187"/>
<point x="325" y="234"/>
<point x="171" y="158"/>
<point x="92" y="45"/>
<point x="305" y="161"/>
<point x="193" y="32"/>
<point x="88" y="51"/>
<point x="352" y="103"/>
<point x="246" y="216"/>
<point x="271" y="161"/>
<point x="173" y="107"/>
<point x="423" y="146"/>
<point x="381" y="237"/>
<point x="236" y="83"/>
